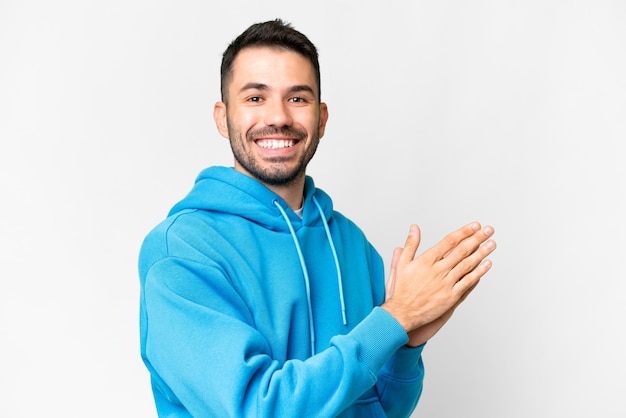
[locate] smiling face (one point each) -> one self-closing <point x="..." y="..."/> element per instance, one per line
<point x="274" y="119"/>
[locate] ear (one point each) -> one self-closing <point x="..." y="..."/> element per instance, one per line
<point x="219" y="114"/>
<point x="323" y="118"/>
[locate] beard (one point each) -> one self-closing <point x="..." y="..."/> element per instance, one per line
<point x="274" y="171"/>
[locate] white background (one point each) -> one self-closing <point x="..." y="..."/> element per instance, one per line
<point x="509" y="113"/>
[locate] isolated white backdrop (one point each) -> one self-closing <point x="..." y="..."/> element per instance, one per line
<point x="510" y="113"/>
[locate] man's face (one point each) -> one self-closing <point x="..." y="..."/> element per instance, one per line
<point x="273" y="118"/>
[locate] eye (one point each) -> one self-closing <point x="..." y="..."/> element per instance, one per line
<point x="255" y="99"/>
<point x="298" y="100"/>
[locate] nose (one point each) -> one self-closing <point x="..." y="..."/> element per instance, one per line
<point x="277" y="113"/>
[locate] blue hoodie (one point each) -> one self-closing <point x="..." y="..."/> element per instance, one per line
<point x="248" y="310"/>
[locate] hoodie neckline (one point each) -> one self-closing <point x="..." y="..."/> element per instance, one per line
<point x="224" y="189"/>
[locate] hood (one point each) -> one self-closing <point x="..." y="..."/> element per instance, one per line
<point x="224" y="189"/>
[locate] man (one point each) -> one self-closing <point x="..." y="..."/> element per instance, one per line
<point x="257" y="298"/>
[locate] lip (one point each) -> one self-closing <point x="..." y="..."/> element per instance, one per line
<point x="276" y="145"/>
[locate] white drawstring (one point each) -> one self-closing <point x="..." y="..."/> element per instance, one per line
<point x="306" y="276"/>
<point x="332" y="247"/>
<point x="307" y="282"/>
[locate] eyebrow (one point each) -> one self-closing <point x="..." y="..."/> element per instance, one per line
<point x="254" y="86"/>
<point x="265" y="87"/>
<point x="299" y="88"/>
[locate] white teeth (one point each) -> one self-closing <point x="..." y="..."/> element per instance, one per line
<point x="275" y="143"/>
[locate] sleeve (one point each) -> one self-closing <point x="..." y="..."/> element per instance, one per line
<point x="400" y="380"/>
<point x="207" y="359"/>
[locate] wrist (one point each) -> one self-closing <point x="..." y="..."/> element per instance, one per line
<point x="395" y="310"/>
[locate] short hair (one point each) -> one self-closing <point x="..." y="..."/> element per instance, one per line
<point x="273" y="34"/>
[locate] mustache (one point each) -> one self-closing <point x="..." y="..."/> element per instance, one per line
<point x="286" y="131"/>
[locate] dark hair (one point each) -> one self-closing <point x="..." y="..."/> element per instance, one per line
<point x="273" y="34"/>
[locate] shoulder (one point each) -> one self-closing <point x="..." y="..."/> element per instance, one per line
<point x="187" y="234"/>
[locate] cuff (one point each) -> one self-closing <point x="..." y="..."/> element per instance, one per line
<point x="380" y="336"/>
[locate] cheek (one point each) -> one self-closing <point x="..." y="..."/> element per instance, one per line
<point x="244" y="121"/>
<point x="308" y="120"/>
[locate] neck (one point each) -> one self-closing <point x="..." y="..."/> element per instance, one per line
<point x="293" y="193"/>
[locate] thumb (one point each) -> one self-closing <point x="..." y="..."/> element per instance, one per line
<point x="411" y="244"/>
<point x="391" y="280"/>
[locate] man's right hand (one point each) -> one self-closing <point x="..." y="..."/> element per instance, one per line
<point x="423" y="291"/>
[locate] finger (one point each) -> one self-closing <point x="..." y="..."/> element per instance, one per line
<point x="391" y="280"/>
<point x="471" y="279"/>
<point x="471" y="261"/>
<point x="465" y="294"/>
<point x="467" y="247"/>
<point x="411" y="244"/>
<point x="461" y="299"/>
<point x="445" y="247"/>
<point x="397" y="252"/>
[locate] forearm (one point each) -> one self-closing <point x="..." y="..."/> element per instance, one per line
<point x="226" y="366"/>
